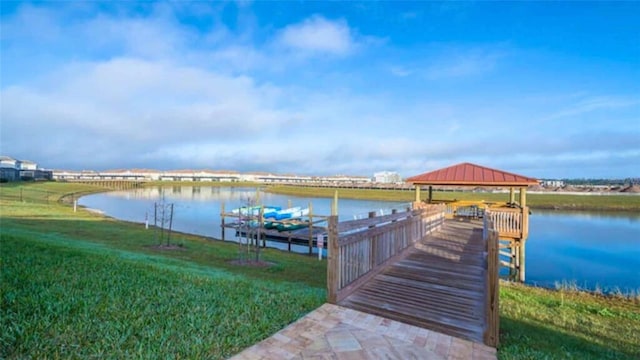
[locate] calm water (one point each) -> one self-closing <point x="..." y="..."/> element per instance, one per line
<point x="197" y="209"/>
<point x="590" y="249"/>
<point x="586" y="248"/>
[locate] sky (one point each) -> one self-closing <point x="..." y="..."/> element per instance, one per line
<point x="543" y="89"/>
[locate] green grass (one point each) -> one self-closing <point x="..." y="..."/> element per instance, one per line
<point x="76" y="300"/>
<point x="535" y="201"/>
<point x="80" y="285"/>
<point x="538" y="323"/>
<point x="29" y="218"/>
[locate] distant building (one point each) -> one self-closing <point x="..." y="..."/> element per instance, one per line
<point x="9" y="169"/>
<point x="387" y="177"/>
<point x="13" y="170"/>
<point x="553" y="183"/>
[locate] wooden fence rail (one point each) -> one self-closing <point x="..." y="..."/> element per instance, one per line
<point x="492" y="309"/>
<point x="355" y="255"/>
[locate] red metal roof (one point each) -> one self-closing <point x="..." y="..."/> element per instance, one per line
<point x="467" y="174"/>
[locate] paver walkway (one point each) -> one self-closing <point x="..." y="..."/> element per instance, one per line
<point x="335" y="332"/>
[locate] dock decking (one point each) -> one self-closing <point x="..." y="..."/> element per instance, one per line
<point x="439" y="285"/>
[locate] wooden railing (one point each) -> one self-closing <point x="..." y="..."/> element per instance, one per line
<point x="359" y="249"/>
<point x="510" y="222"/>
<point x="492" y="305"/>
<point x="472" y="209"/>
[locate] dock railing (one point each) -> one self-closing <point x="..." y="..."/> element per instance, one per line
<point x="359" y="249"/>
<point x="492" y="305"/>
<point x="510" y="222"/>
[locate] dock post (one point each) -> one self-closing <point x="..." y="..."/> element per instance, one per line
<point x="521" y="271"/>
<point x="333" y="261"/>
<point x="261" y="227"/>
<point x="222" y="219"/>
<point x="372" y="214"/>
<point x="310" y="228"/>
<point x="512" y="260"/>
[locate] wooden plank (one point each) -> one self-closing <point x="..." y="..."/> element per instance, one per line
<point x="440" y="284"/>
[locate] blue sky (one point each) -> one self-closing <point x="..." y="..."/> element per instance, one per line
<point x="546" y="89"/>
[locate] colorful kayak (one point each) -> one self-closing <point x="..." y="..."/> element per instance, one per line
<point x="283" y="214"/>
<point x="254" y="210"/>
<point x="291" y="226"/>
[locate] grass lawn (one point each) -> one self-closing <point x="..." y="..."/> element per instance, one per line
<point x="79" y="285"/>
<point x="538" y="323"/>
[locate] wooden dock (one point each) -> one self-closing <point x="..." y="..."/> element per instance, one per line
<point x="424" y="270"/>
<point x="439" y="284"/>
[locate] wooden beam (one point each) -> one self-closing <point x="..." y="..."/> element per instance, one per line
<point x="523" y="197"/>
<point x="333" y="260"/>
<point x="417" y="193"/>
<point x="521" y="270"/>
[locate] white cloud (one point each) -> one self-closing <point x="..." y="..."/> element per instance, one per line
<point x="143" y="89"/>
<point x="461" y="62"/>
<point x="318" y="35"/>
<point x="596" y="103"/>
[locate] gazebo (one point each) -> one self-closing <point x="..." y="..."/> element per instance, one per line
<point x="472" y="175"/>
<point x="512" y="219"/>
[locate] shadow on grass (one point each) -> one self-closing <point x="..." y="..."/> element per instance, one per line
<point x="523" y="340"/>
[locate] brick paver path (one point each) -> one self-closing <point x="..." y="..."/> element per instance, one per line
<point x="335" y="332"/>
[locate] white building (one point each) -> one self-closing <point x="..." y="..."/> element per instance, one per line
<point x="553" y="183"/>
<point x="387" y="177"/>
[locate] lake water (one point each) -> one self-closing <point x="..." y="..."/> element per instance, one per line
<point x="589" y="249"/>
<point x="197" y="209"/>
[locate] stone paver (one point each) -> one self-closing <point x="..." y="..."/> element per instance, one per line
<point x="335" y="332"/>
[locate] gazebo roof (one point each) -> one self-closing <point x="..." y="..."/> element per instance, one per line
<point x="466" y="174"/>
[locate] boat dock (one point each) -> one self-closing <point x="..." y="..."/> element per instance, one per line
<point x="305" y="231"/>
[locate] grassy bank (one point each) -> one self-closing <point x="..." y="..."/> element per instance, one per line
<point x="536" y="201"/>
<point x="538" y="323"/>
<point x="78" y="285"/>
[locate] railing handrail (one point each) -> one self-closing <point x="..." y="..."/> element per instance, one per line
<point x="356" y="226"/>
<point x="358" y="255"/>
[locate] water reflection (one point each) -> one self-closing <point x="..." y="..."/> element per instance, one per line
<point x="588" y="249"/>
<point x="197" y="208"/>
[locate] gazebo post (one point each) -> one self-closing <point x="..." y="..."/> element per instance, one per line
<point x="430" y="194"/>
<point x="512" y="195"/>
<point x="523" y="197"/>
<point x="417" y="193"/>
<point x="525" y="230"/>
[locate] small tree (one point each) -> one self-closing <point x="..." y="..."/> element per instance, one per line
<point x="163" y="216"/>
